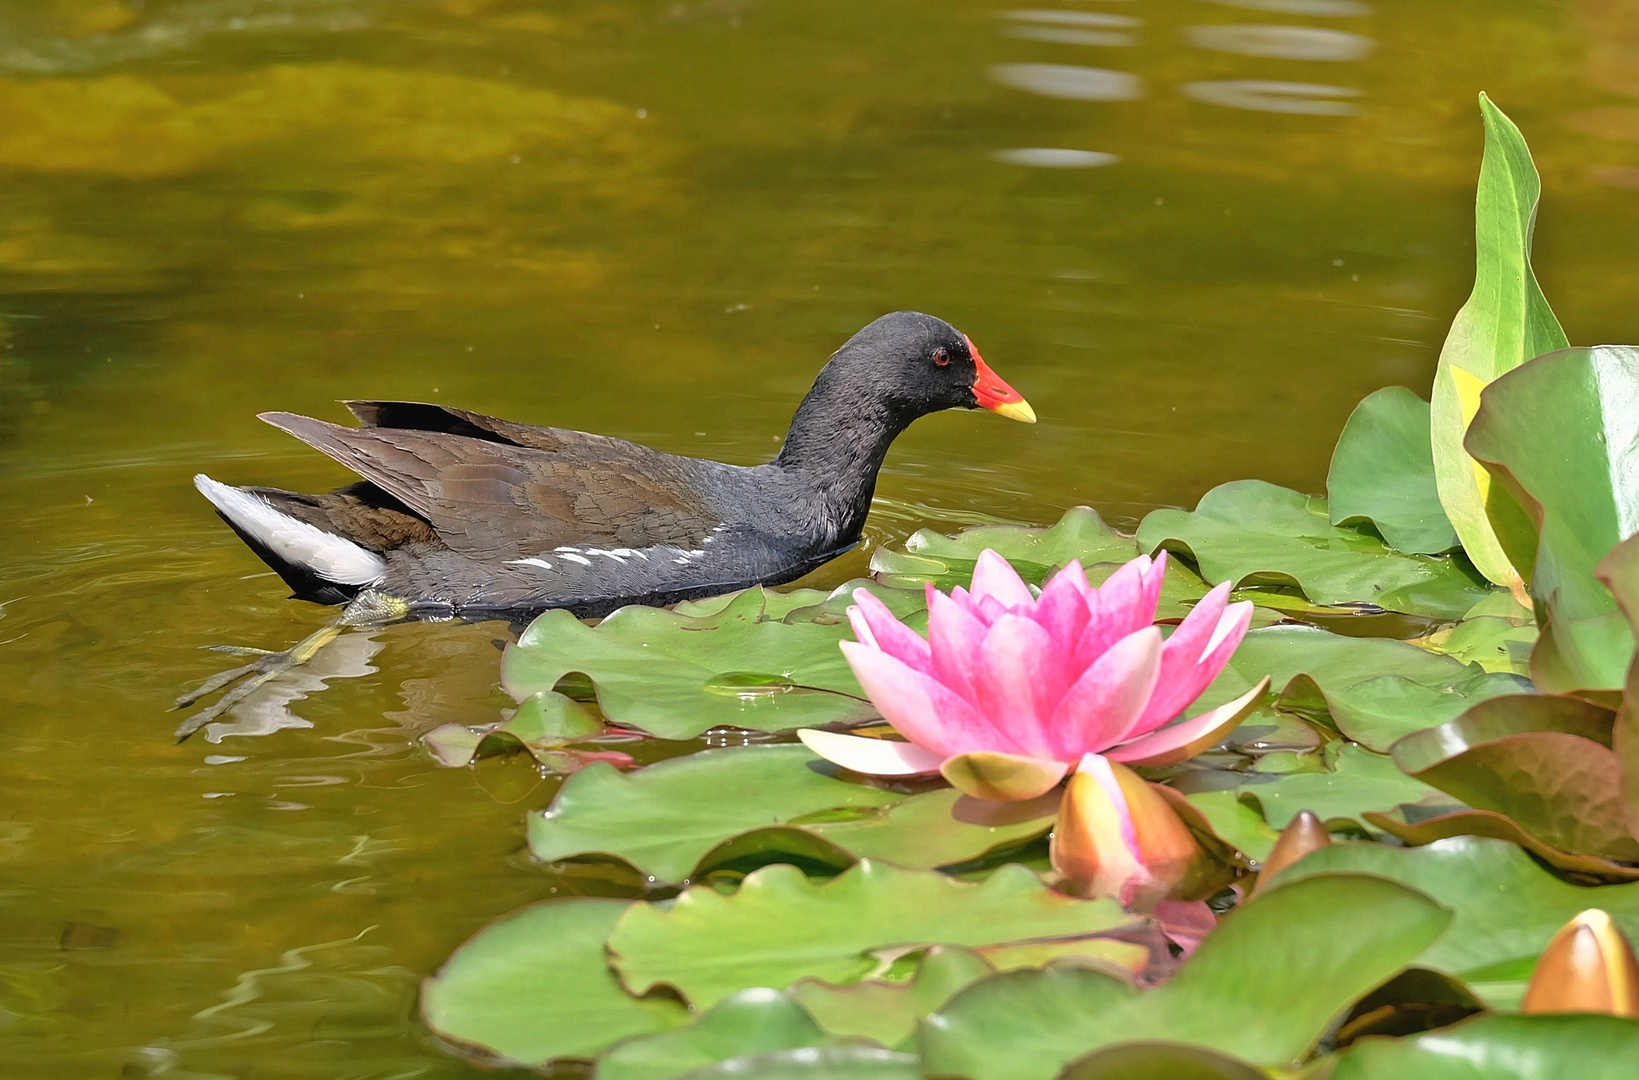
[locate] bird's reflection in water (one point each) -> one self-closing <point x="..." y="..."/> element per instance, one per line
<point x="268" y="709"/>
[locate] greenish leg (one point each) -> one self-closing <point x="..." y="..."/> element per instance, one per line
<point x="368" y="608"/>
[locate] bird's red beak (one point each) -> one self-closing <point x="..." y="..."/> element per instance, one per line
<point x="994" y="394"/>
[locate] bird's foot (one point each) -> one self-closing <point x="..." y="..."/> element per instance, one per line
<point x="368" y="608"/>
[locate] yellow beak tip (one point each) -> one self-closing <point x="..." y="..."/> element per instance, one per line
<point x="1016" y="410"/>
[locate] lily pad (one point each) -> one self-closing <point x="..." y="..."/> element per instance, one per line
<point x="1158" y="1061"/>
<point x="1355" y="782"/>
<point x="1236" y="823"/>
<point x="888" y="1011"/>
<point x="780" y="927"/>
<point x="816" y="1063"/>
<point x="1620" y="573"/>
<point x="1495" y="643"/>
<point x="1264" y="987"/>
<point x="543" y="724"/>
<point x="1248" y="531"/>
<point x="1561" y="435"/>
<point x="1505" y="322"/>
<point x="948" y="561"/>
<point x="665" y="819"/>
<point x="1506" y="906"/>
<point x="677" y="677"/>
<point x="755" y="1021"/>
<point x="1426" y="830"/>
<point x="1588" y="1047"/>
<point x="1383" y="472"/>
<point x="1544" y="761"/>
<point x="534" y="987"/>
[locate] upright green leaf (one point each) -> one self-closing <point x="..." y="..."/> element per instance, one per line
<point x="1561" y="435"/>
<point x="1620" y="573"/>
<point x="1263" y="987"/>
<point x="1505" y="322"/>
<point x="1383" y="472"/>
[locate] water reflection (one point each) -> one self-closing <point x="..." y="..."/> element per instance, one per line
<point x="1070" y="27"/>
<point x="1053" y="157"/>
<point x="1281" y="42"/>
<point x="1336" y="8"/>
<point x="1070" y="82"/>
<point x="268" y="709"/>
<point x="1262" y="95"/>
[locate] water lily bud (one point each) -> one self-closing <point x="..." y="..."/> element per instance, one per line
<point x="1302" y="834"/>
<point x="1587" y="967"/>
<point x="1116" y="836"/>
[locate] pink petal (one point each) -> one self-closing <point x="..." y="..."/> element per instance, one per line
<point x="887" y="632"/>
<point x="1186" y="923"/>
<point x="1077" y="577"/>
<point x="873" y="757"/>
<point x="1016" y="669"/>
<point x="993" y="576"/>
<point x="1062" y="610"/>
<point x="1177" y="685"/>
<point x="1125" y="603"/>
<point x="919" y="707"/>
<point x="1226" y="638"/>
<point x="955" y="635"/>
<point x="1109" y="696"/>
<point x="1163" y="747"/>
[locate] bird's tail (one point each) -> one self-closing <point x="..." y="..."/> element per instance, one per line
<point x="289" y="545"/>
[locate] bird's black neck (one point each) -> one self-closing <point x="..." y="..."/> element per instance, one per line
<point x="837" y="443"/>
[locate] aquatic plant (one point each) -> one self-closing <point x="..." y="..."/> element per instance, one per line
<point x="1010" y="690"/>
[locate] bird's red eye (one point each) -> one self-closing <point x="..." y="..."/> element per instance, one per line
<point x="941" y="358"/>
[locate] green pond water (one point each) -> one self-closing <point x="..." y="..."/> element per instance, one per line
<point x="653" y="220"/>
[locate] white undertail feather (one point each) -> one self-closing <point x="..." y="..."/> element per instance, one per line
<point x="328" y="556"/>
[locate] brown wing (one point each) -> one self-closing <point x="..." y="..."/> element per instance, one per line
<point x="501" y="500"/>
<point x="419" y="416"/>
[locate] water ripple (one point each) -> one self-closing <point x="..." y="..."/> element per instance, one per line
<point x="1070" y="81"/>
<point x="1259" y="95"/>
<point x="1281" y="42"/>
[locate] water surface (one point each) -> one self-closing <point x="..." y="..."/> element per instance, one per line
<point x="1193" y="233"/>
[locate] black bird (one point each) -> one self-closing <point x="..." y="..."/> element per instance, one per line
<point x="464" y="514"/>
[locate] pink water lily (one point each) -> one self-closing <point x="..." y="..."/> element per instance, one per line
<point x="1009" y="689"/>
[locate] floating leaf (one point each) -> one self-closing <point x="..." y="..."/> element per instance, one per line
<point x="1426" y="830"/>
<point x="823" y="1063"/>
<point x="543" y="724"/>
<point x="1586" y="1047"/>
<point x="1544" y="761"/>
<point x="1264" y="987"/>
<point x="888" y="1011"/>
<point x="755" y="1021"/>
<point x="780" y="927"/>
<point x="1505" y="322"/>
<point x="1158" y="1061"/>
<point x="534" y="986"/>
<point x="1495" y="643"/>
<point x="676" y="677"/>
<point x="1383" y="472"/>
<point x="1236" y="823"/>
<point x="1356" y="781"/>
<point x="668" y="817"/>
<point x="1561" y="435"/>
<point x="948" y="561"/>
<point x="1248" y="531"/>
<point x="1506" y="906"/>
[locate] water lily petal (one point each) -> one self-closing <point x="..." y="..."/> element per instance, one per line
<point x="1008" y="777"/>
<point x="995" y="576"/>
<point x="955" y="635"/>
<point x="887" y="632"/>
<point x="1185" y="739"/>
<point x="1062" y="609"/>
<point x="1125" y="603"/>
<point x="919" y="707"/>
<point x="1108" y="696"/>
<point x="1180" y="682"/>
<point x="873" y="757"/>
<point x="1015" y="670"/>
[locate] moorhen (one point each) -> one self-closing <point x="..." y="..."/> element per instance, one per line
<point x="464" y="514"/>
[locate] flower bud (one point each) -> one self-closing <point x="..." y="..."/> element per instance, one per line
<point x="1587" y="967"/>
<point x="1302" y="834"/>
<point x="1116" y="836"/>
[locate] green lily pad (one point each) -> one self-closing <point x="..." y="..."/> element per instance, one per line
<point x="1495" y="643"/>
<point x="534" y="987"/>
<point x="1383" y="472"/>
<point x="1584" y="1046"/>
<point x="665" y="819"/>
<point x="1355" y="781"/>
<point x="677" y="677"/>
<point x="821" y="1063"/>
<point x="542" y="724"/>
<point x="780" y="927"/>
<point x="776" y="607"/>
<point x="1236" y="823"/>
<point x="1544" y="761"/>
<point x="755" y="1021"/>
<point x="1561" y="435"/>
<point x="1425" y="830"/>
<point x="1505" y="322"/>
<point x="948" y="561"/>
<point x="1506" y="906"/>
<point x="1264" y="987"/>
<point x="1249" y="531"/>
<point x="1158" y="1061"/>
<point x="887" y="1012"/>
